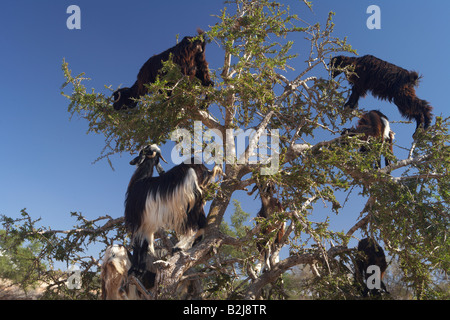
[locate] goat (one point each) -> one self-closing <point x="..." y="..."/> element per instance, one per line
<point x="269" y="206"/>
<point x="115" y="265"/>
<point x="371" y="254"/>
<point x="189" y="54"/>
<point x="174" y="200"/>
<point x="386" y="81"/>
<point x="374" y="124"/>
<point x="116" y="285"/>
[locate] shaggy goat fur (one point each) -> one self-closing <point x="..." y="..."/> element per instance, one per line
<point x="116" y="284"/>
<point x="374" y="124"/>
<point x="116" y="264"/>
<point x="114" y="271"/>
<point x="174" y="201"/>
<point x="189" y="54"/>
<point x="387" y="82"/>
<point x="371" y="255"/>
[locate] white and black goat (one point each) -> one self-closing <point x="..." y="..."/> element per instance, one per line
<point x="374" y="124"/>
<point x="174" y="201"/>
<point x="269" y="206"/>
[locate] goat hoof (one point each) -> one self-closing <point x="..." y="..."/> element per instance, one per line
<point x="163" y="264"/>
<point x="137" y="272"/>
<point x="175" y="250"/>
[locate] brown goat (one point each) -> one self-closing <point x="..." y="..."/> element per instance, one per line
<point x="387" y="82"/>
<point x="269" y="206"/>
<point x="374" y="124"/>
<point x="115" y="266"/>
<point x="116" y="282"/>
<point x="189" y="54"/>
<point x="115" y="274"/>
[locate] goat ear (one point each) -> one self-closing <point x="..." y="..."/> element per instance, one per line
<point x="204" y="37"/>
<point x="138" y="160"/>
<point x="253" y="190"/>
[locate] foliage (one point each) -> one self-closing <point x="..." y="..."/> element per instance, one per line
<point x="18" y="260"/>
<point x="50" y="250"/>
<point x="232" y="260"/>
<point x="257" y="87"/>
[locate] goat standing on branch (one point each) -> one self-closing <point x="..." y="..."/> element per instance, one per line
<point x="116" y="285"/>
<point x="174" y="200"/>
<point x="371" y="255"/>
<point x="189" y="54"/>
<point x="386" y="81"/>
<point x="374" y="124"/>
<point x="115" y="266"/>
<point x="269" y="207"/>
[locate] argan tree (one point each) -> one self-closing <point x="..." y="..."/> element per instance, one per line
<point x="301" y="111"/>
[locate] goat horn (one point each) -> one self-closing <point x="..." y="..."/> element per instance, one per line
<point x="162" y="158"/>
<point x="118" y="97"/>
<point x="152" y="155"/>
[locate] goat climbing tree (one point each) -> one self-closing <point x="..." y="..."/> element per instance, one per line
<point x="407" y="203"/>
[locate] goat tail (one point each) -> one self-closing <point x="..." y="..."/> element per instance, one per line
<point x="414" y="78"/>
<point x="427" y="113"/>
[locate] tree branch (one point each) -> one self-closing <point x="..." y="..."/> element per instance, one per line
<point x="253" y="290"/>
<point x="111" y="223"/>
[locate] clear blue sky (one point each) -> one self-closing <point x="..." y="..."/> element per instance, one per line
<point x="46" y="160"/>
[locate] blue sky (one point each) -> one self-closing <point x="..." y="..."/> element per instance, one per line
<point x="46" y="159"/>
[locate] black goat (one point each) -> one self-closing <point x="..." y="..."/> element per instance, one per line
<point x="386" y="81"/>
<point x="189" y="54"/>
<point x="370" y="254"/>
